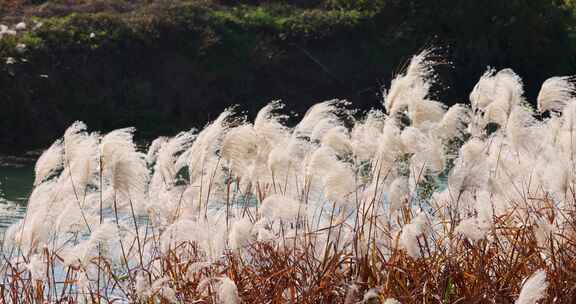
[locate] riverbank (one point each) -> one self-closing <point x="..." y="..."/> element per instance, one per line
<point x="167" y="66"/>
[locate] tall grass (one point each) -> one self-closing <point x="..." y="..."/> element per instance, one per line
<point x="417" y="204"/>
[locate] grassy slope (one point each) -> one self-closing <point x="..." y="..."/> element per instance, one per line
<point x="174" y="65"/>
<point x="164" y="66"/>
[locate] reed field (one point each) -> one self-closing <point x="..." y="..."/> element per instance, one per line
<point x="411" y="203"/>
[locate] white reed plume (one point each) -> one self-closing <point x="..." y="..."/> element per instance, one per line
<point x="116" y="142"/>
<point x="206" y="146"/>
<point x="566" y="137"/>
<point x="520" y="129"/>
<point x="33" y="231"/>
<point x="71" y="218"/>
<point x="124" y="166"/>
<point x="454" y="122"/>
<point x="569" y="117"/>
<point x="396" y="99"/>
<point x="413" y="85"/>
<point x="467" y="176"/>
<point x="409" y="237"/>
<point x="340" y="184"/>
<point x="184" y="230"/>
<point x="168" y="154"/>
<point x="472" y="151"/>
<point x="154" y="148"/>
<point x="80" y="254"/>
<point x="485" y="205"/>
<point x="326" y="111"/>
<point x="507" y="93"/>
<point x="240" y="233"/>
<point x="398" y="193"/>
<point x="322" y="127"/>
<point x="424" y="113"/>
<point x="84" y="167"/>
<point x="555" y="93"/>
<point x="556" y="178"/>
<point x="80" y="157"/>
<point x="321" y="162"/>
<point x="42" y="195"/>
<point x="49" y="162"/>
<point x="40" y="214"/>
<point x="129" y="177"/>
<point x="104" y="232"/>
<point x="484" y="90"/>
<point x="227" y="291"/>
<point x="73" y="136"/>
<point x="208" y="233"/>
<point x="365" y="135"/>
<point x="279" y="206"/>
<point x="371" y="296"/>
<point x="390" y="148"/>
<point x="413" y="140"/>
<point x="264" y="234"/>
<point x="268" y="125"/>
<point x="240" y="149"/>
<point x="287" y="158"/>
<point x="509" y="86"/>
<point x="422" y="65"/>
<point x="497" y="112"/>
<point x="544" y="232"/>
<point x="548" y="132"/>
<point x="433" y="156"/>
<point x="428" y="152"/>
<point x="471" y="229"/>
<point x="391" y="137"/>
<point x="37" y="267"/>
<point x="534" y="289"/>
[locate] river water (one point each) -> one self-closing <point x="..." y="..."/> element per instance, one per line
<point x="16" y="178"/>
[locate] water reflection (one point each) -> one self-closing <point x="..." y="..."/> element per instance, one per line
<point x="16" y="180"/>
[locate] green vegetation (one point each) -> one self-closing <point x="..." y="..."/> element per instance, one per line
<point x="167" y="65"/>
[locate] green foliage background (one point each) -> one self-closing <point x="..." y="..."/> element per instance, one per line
<point x="164" y="66"/>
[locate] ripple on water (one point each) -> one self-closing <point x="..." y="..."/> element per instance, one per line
<point x="16" y="180"/>
<point x="10" y="212"/>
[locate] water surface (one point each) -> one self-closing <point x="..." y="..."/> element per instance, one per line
<point x="16" y="178"/>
